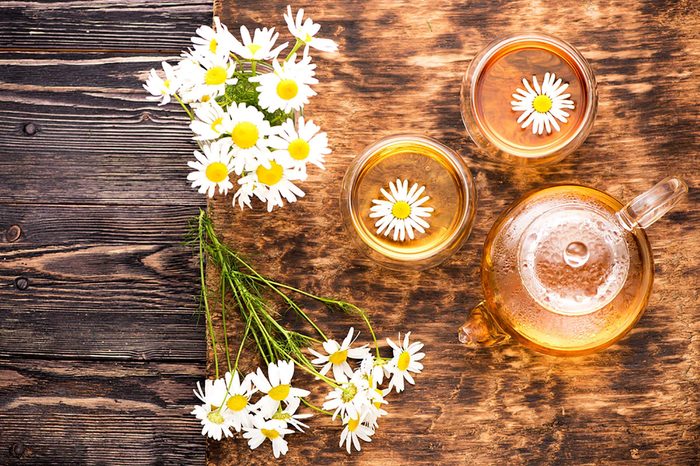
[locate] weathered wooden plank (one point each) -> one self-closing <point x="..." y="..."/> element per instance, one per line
<point x="101" y="25"/>
<point x="399" y="69"/>
<point x="97" y="413"/>
<point x="95" y="138"/>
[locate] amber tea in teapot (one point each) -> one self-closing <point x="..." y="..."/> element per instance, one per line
<point x="568" y="270"/>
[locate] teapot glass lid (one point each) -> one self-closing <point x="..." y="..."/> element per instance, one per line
<point x="574" y="259"/>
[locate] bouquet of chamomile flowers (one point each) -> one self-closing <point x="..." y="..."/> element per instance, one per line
<point x="264" y="404"/>
<point x="245" y="103"/>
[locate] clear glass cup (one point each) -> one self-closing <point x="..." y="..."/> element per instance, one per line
<point x="494" y="75"/>
<point x="418" y="160"/>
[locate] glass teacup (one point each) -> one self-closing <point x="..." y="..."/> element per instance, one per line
<point x="408" y="201"/>
<point x="529" y="98"/>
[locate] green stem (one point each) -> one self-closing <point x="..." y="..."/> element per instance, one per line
<point x="203" y="284"/>
<point x="315" y="408"/>
<point x="298" y="44"/>
<point x="223" y="323"/>
<point x="187" y="110"/>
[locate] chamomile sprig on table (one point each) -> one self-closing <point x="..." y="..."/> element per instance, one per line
<point x="264" y="404"/>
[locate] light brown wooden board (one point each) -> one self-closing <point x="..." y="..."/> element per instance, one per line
<point x="399" y="69"/>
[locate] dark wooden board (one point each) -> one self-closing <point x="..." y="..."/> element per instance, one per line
<point x="97" y="413"/>
<point x="399" y="69"/>
<point x="135" y="25"/>
<point x="100" y="342"/>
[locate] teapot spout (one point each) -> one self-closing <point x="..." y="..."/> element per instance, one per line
<point x="481" y="329"/>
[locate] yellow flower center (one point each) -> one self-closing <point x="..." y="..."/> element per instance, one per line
<point x="166" y="84"/>
<point x="299" y="149"/>
<point x="401" y="210"/>
<point x="215" y="417"/>
<point x="216" y="172"/>
<point x="271" y="433"/>
<point x="287" y="89"/>
<point x="404" y="361"/>
<point x="378" y="404"/>
<point x="270" y="176"/>
<point x="281" y="415"/>
<point x="308" y="38"/>
<point x="338" y="357"/>
<point x="280" y="392"/>
<point x="353" y="424"/>
<point x="245" y="135"/>
<point x="237" y="402"/>
<point x="215" y="76"/>
<point x="542" y="103"/>
<point x="212" y="45"/>
<point x="216" y="123"/>
<point x="254" y="48"/>
<point x="205" y="98"/>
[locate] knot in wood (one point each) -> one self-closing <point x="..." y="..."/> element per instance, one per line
<point x="17" y="449"/>
<point x="13" y="233"/>
<point x="21" y="283"/>
<point x="30" y="129"/>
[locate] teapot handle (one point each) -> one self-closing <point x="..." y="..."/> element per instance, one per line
<point x="481" y="329"/>
<point x="651" y="205"/>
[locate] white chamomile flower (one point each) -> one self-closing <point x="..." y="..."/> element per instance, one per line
<point x="337" y="357"/>
<point x="216" y="41"/>
<point x="212" y="168"/>
<point x="306" y="30"/>
<point x="211" y="413"/>
<point x="354" y="431"/>
<point x="289" y="415"/>
<point x="249" y="131"/>
<point x="402" y="211"/>
<point x="190" y="74"/>
<point x="277" y="388"/>
<point x="350" y="399"/>
<point x="269" y="185"/>
<point x="542" y="106"/>
<point x="303" y="144"/>
<point x="162" y="89"/>
<point x="214" y="74"/>
<point x="260" y="46"/>
<point x="288" y="86"/>
<point x="238" y="406"/>
<point x="210" y="122"/>
<point x="406" y="359"/>
<point x="375" y="369"/>
<point x="273" y="430"/>
<point x="374" y="411"/>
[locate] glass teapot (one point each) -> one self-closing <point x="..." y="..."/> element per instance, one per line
<point x="568" y="270"/>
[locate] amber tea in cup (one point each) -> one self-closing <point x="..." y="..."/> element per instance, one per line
<point x="435" y="178"/>
<point x="529" y="98"/>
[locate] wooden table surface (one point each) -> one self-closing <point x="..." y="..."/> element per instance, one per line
<point x="99" y="342"/>
<point x="399" y="70"/>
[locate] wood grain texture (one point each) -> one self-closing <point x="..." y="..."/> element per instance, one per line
<point x="100" y="344"/>
<point x="399" y="69"/>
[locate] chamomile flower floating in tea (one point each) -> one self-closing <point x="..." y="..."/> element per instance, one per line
<point x="542" y="106"/>
<point x="288" y="86"/>
<point x="212" y="168"/>
<point x="243" y="91"/>
<point x="306" y="31"/>
<point x="303" y="144"/>
<point x="401" y="211"/>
